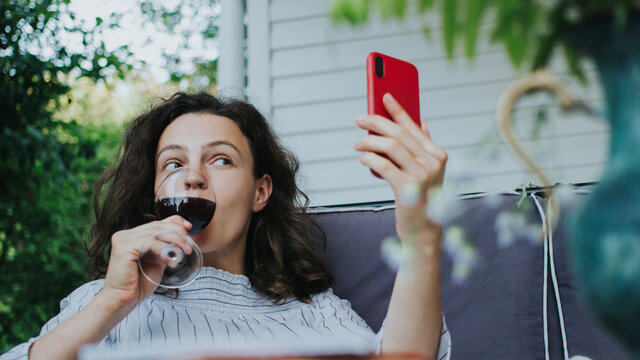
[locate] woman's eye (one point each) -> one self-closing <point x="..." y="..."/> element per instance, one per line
<point x="172" y="166"/>
<point x="221" y="162"/>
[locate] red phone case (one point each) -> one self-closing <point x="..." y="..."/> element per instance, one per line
<point x="400" y="79"/>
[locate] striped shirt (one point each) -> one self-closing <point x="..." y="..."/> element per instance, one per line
<point x="222" y="308"/>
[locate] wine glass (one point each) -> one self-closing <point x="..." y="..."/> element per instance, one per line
<point x="188" y="193"/>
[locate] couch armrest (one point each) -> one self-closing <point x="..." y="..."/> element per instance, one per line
<point x="496" y="312"/>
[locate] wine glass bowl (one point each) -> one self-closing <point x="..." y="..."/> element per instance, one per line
<point x="170" y="259"/>
<point x="198" y="211"/>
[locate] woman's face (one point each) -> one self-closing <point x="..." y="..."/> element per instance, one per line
<point x="215" y="146"/>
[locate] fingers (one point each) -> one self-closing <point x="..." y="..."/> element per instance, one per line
<point x="383" y="166"/>
<point x="179" y="220"/>
<point x="400" y="154"/>
<point x="163" y="249"/>
<point x="397" y="111"/>
<point x="421" y="134"/>
<point x="172" y="230"/>
<point x="399" y="150"/>
<point x="158" y="242"/>
<point x="391" y="130"/>
<point x="401" y="147"/>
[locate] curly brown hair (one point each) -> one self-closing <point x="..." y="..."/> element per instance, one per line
<point x="281" y="259"/>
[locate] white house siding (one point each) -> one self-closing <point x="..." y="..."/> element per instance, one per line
<point x="308" y="75"/>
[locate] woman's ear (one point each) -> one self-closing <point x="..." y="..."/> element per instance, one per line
<point x="264" y="187"/>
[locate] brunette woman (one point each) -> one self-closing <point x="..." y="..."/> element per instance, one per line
<point x="262" y="280"/>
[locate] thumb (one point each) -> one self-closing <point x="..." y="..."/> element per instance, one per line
<point x="177" y="219"/>
<point x="423" y="125"/>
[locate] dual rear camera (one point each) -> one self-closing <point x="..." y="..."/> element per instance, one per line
<point x="379" y="67"/>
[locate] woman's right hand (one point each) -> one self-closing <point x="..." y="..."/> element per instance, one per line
<point x="125" y="286"/>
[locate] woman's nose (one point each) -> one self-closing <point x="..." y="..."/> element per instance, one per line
<point x="195" y="181"/>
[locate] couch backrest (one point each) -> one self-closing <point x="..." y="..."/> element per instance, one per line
<point x="496" y="311"/>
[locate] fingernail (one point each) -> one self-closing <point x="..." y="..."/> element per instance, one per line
<point x="360" y="118"/>
<point x="186" y="223"/>
<point x="390" y="98"/>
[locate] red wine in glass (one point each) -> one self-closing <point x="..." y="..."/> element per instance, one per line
<point x="197" y="211"/>
<point x="188" y="193"/>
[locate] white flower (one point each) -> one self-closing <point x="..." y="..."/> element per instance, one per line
<point x="463" y="254"/>
<point x="492" y="200"/>
<point x="565" y="196"/>
<point x="410" y="193"/>
<point x="512" y="225"/>
<point x="506" y="225"/>
<point x="443" y="204"/>
<point x="393" y="253"/>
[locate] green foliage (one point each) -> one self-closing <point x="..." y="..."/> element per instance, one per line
<point x="49" y="164"/>
<point x="355" y="12"/>
<point x="530" y="30"/>
<point x="195" y="21"/>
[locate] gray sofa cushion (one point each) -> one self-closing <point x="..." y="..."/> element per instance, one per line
<point x="496" y="312"/>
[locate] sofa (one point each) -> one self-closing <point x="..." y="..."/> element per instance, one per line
<point x="496" y="311"/>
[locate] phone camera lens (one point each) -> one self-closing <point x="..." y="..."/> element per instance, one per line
<point x="379" y="67"/>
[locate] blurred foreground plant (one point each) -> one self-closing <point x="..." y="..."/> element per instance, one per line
<point x="530" y="31"/>
<point x="48" y="164"/>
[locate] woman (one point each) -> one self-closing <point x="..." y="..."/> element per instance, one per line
<point x="262" y="280"/>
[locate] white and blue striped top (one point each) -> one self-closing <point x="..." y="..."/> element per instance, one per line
<point x="222" y="308"/>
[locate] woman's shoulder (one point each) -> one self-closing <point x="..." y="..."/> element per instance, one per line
<point x="327" y="295"/>
<point x="328" y="298"/>
<point x="83" y="294"/>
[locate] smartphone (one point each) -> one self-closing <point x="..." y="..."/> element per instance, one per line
<point x="386" y="74"/>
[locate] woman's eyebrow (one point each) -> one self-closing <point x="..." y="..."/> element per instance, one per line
<point x="221" y="143"/>
<point x="169" y="147"/>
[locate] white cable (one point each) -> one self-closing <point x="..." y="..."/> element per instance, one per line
<point x="545" y="325"/>
<point x="549" y="261"/>
<point x="556" y="289"/>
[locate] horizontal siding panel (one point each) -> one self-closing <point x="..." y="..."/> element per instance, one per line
<point x="472" y="163"/>
<point x="318" y="88"/>
<point x="380" y="192"/>
<point x="332" y="116"/>
<point x="325" y="146"/>
<point x="433" y="75"/>
<point x="514" y="180"/>
<point x="480" y="128"/>
<point x="313" y="25"/>
<point x="446" y="103"/>
<point x="493" y="158"/>
<point x="318" y="117"/>
<point x="449" y="133"/>
<point x="580" y="150"/>
<point x="323" y="30"/>
<point x="412" y="47"/>
<point x="490" y="183"/>
<point x="317" y="85"/>
<point x="481" y="98"/>
<point x="330" y="175"/>
<point x="294" y="9"/>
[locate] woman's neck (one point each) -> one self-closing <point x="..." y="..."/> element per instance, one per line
<point x="230" y="260"/>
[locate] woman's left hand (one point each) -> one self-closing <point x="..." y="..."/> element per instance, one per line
<point x="407" y="158"/>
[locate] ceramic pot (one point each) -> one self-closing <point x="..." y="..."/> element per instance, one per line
<point x="606" y="229"/>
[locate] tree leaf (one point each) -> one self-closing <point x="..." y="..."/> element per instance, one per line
<point x="355" y="12"/>
<point x="450" y="24"/>
<point x="424" y="5"/>
<point x="573" y="63"/>
<point x="475" y="14"/>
